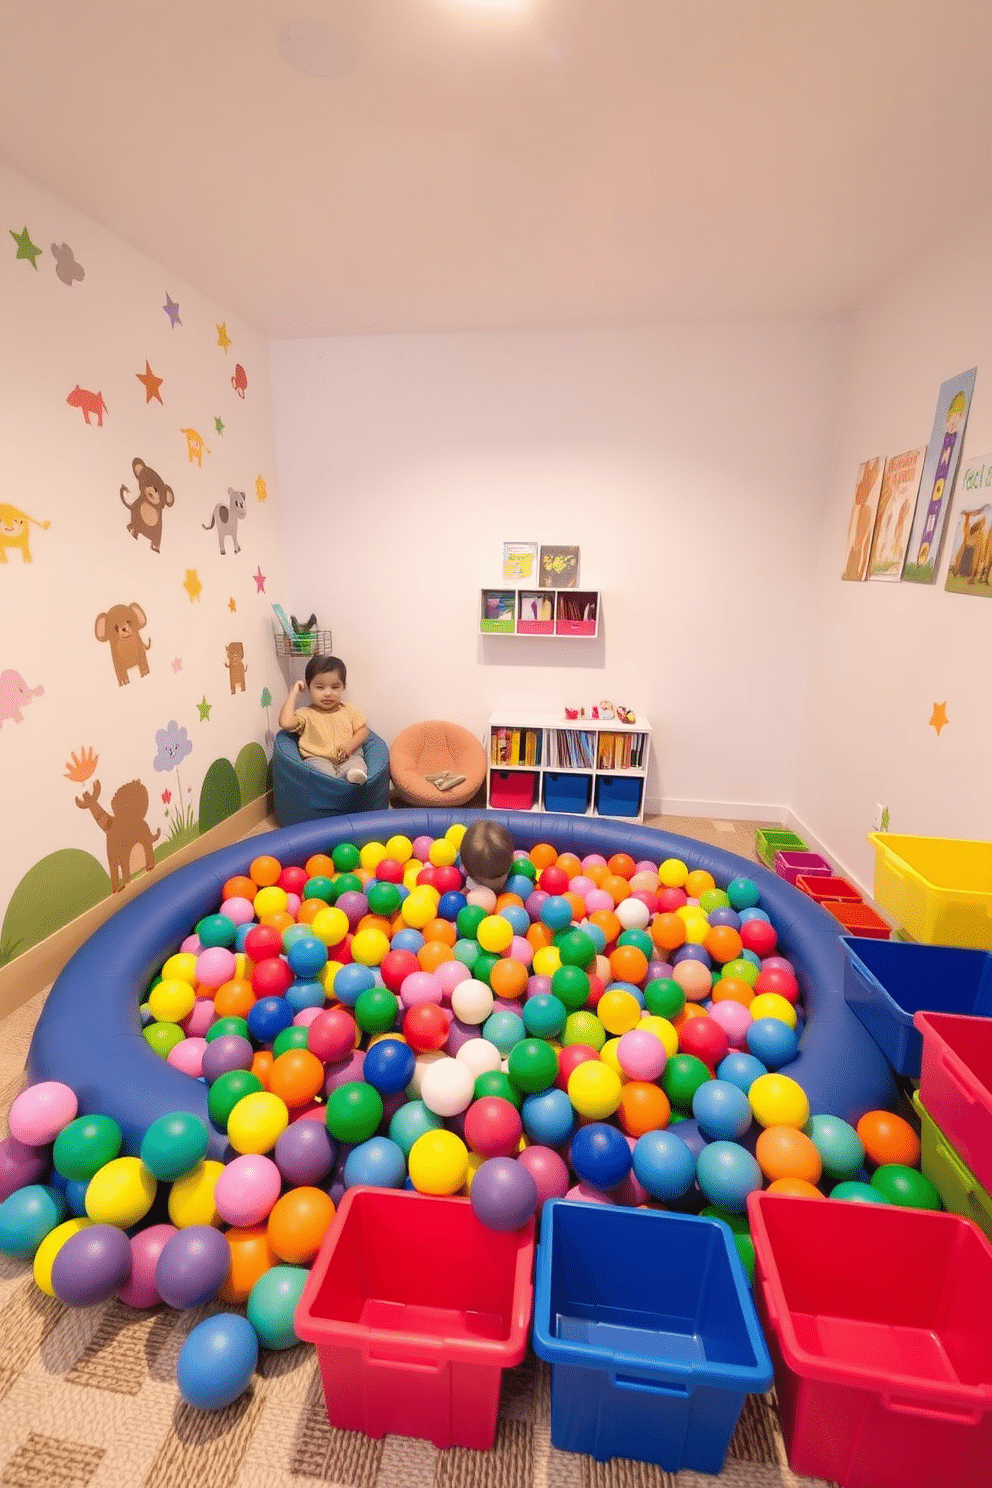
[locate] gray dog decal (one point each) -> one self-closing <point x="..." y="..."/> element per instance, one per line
<point x="226" y="517"/>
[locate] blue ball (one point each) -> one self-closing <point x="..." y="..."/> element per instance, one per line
<point x="772" y="1041"/>
<point x="725" y="916"/>
<point x="548" y="1117"/>
<point x="518" y="918"/>
<point x="556" y="912"/>
<point x="351" y="981"/>
<point x="754" y="914"/>
<point x="304" y="994"/>
<point x="307" y="956"/>
<point x="600" y="1155"/>
<point x="377" y="1163"/>
<point x="597" y="935"/>
<point x="389" y="1066"/>
<point x="740" y="1069"/>
<point x="520" y="884"/>
<point x="217" y="1361"/>
<point x="268" y="1018"/>
<point x="663" y="1164"/>
<point x="27" y="1216"/>
<point x="407" y="940"/>
<point x="722" y="1110"/>
<point x="241" y="934"/>
<point x="272" y="1303"/>
<point x="727" y="1174"/>
<point x="691" y="952"/>
<point x="450" y="906"/>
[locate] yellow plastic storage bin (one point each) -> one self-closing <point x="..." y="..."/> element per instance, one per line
<point x="938" y="889"/>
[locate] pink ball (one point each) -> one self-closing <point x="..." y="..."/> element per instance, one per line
<point x="641" y="1055"/>
<point x="582" y="1193"/>
<point x="735" y="1020"/>
<point x="333" y="1035"/>
<point x="344" y="1070"/>
<point x="450" y="974"/>
<point x="581" y="885"/>
<point x="593" y="860"/>
<point x="146" y="1247"/>
<point x="772" y="979"/>
<point x="306" y="1016"/>
<point x="647" y="897"/>
<point x="521" y="950"/>
<point x="422" y="848"/>
<point x="694" y="979"/>
<point x="191" y="946"/>
<point x="421" y="986"/>
<point x="598" y="899"/>
<point x="20" y="1165"/>
<point x="293" y="902"/>
<point x="247" y="1189"/>
<point x="669" y="900"/>
<point x="215" y="966"/>
<point x="493" y="1127"/>
<point x="548" y="1170"/>
<point x="196" y="1023"/>
<point x="239" y="911"/>
<point x="41" y="1111"/>
<point x="188" y="1056"/>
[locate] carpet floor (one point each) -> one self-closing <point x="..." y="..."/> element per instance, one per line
<point x="88" y="1397"/>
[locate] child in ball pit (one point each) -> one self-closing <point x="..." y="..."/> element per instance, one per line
<point x="331" y="731"/>
<point x="486" y="852"/>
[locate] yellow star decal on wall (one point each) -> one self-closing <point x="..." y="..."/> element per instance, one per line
<point x="939" y="718"/>
<point x="223" y="339"/>
<point x="204" y="708"/>
<point x="261" y="489"/>
<point x="192" y="584"/>
<point x="232" y="604"/>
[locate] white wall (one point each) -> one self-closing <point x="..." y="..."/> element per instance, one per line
<point x="882" y="653"/>
<point x="689" y="462"/>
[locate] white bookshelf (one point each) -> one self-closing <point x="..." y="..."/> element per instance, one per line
<point x="579" y="767"/>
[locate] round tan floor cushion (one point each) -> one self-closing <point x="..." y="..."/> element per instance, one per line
<point x="433" y="748"/>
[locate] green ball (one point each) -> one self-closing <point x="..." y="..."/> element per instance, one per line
<point x="841" y="1150"/>
<point x="745" y="1249"/>
<point x="293" y="1037"/>
<point x="409" y="1122"/>
<point x="737" y="1222"/>
<point x="469" y="919"/>
<point x="345" y="856"/>
<point x="858" y="1193"/>
<point x="173" y="1145"/>
<point x="467" y="952"/>
<point x="227" y="1025"/>
<point x="570" y="984"/>
<point x="544" y="1015"/>
<point x="742" y="969"/>
<point x="216" y="930"/>
<point x="384" y="898"/>
<point x="346" y="883"/>
<point x="532" y="1065"/>
<point x="483" y="965"/>
<point x="319" y="887"/>
<point x="163" y="1036"/>
<point x="583" y="1027"/>
<point x="711" y="899"/>
<point x="272" y="1303"/>
<point x="906" y="1187"/>
<point x="576" y="948"/>
<point x="354" y="1111"/>
<point x="227" y="1090"/>
<point x="85" y="1145"/>
<point x="682" y="1077"/>
<point x="524" y="866"/>
<point x="376" y="1009"/>
<point x="639" y="938"/>
<point x="664" y="997"/>
<point x="496" y="1082"/>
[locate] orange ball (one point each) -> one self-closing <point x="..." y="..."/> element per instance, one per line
<point x="618" y="888"/>
<point x="796" y="1188"/>
<point x="691" y="1010"/>
<point x="698" y="882"/>
<point x="723" y="943"/>
<point x="508" y="978"/>
<point x="432" y="953"/>
<point x="240" y="887"/>
<point x="784" y="1152"/>
<point x="606" y="921"/>
<point x="235" y="999"/>
<point x="251" y="1257"/>
<point x="733" y="989"/>
<point x="503" y="900"/>
<point x="543" y="855"/>
<point x="297" y="1224"/>
<point x="596" y="872"/>
<point x="320" y="866"/>
<point x="443" y="930"/>
<point x="889" y="1138"/>
<point x="280" y="920"/>
<point x="668" y="931"/>
<point x="628" y="963"/>
<point x="622" y="865"/>
<point x="375" y="922"/>
<point x="265" y="871"/>
<point x="309" y="910"/>
<point x="296" y="1077"/>
<point x="643" y="1107"/>
<point x="578" y="904"/>
<point x="261" y="1064"/>
<point x="540" y="935"/>
<point x="570" y="864"/>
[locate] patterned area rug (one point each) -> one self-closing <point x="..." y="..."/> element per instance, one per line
<point x="88" y="1397"/>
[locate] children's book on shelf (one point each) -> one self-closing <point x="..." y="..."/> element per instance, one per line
<point x="937" y="481"/>
<point x="514" y="746"/>
<point x="970" y="568"/>
<point x="519" y="562"/>
<point x="559" y="567"/>
<point x="862" y="519"/>
<point x="896" y="504"/>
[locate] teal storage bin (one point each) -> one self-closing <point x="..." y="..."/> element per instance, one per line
<point x="647" y="1320"/>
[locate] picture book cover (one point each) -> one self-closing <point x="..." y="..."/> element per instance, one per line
<point x="862" y="519"/>
<point x="559" y="568"/>
<point x="970" y="568"/>
<point x="519" y="562"/>
<point x="937" y="481"/>
<point x="896" y="504"/>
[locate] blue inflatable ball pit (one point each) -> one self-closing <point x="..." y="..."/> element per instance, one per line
<point x="217" y="1361"/>
<point x="664" y="1165"/>
<point x="600" y="1155"/>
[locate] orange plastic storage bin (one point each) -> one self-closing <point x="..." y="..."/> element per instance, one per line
<point x="859" y="919"/>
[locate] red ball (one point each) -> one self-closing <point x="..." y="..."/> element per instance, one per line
<point x="705" y="1038"/>
<point x="773" y="980"/>
<point x="272" y="977"/>
<point x="425" y="1026"/>
<point x="649" y="898"/>
<point x="553" y="880"/>
<point x="342" y="951"/>
<point x="447" y="879"/>
<point x="389" y="870"/>
<point x="758" y="936"/>
<point x="332" y="1035"/>
<point x="293" y="879"/>
<point x="396" y="966"/>
<point x="262" y="942"/>
<point x="669" y="900"/>
<point x="428" y="875"/>
<point x="493" y="1127"/>
<point x="596" y="989"/>
<point x="569" y="1059"/>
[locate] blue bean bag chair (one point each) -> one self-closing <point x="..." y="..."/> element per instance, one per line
<point x="301" y="793"/>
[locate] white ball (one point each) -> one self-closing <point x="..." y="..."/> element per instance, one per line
<point x="448" y="1087"/>
<point x="471" y="1001"/>
<point x="420" y="1068"/>
<point x="633" y="914"/>
<point x="484" y="898"/>
<point x="478" y="1055"/>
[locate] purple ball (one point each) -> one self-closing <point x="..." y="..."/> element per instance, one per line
<point x="91" y="1266"/>
<point x="305" y="1153"/>
<point x="354" y="905"/>
<point x="344" y="1071"/>
<point x="459" y="1033"/>
<point x="503" y="1194"/>
<point x="229" y="1052"/>
<point x="192" y="1266"/>
<point x="20" y="1165"/>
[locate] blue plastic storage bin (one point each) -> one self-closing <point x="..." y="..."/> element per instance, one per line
<point x="887" y="981"/>
<point x="647" y="1320"/>
<point x="619" y="795"/>
<point x="567" y="792"/>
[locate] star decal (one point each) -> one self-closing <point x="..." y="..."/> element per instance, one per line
<point x="25" y="247"/>
<point x="192" y="584"/>
<point x="259" y="578"/>
<point x="261" y="489"/>
<point x="151" y="383"/>
<point x="232" y="604"/>
<point x="177" y="663"/>
<point x="223" y="339"/>
<point x="939" y="718"/>
<point x="171" y="309"/>
<point x="219" y="424"/>
<point x="203" y="708"/>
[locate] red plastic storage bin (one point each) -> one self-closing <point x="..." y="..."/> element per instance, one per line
<point x="878" y="1320"/>
<point x="859" y="919"/>
<point x="416" y="1309"/>
<point x="956" y="1084"/>
<point x="824" y="886"/>
<point x="512" y="790"/>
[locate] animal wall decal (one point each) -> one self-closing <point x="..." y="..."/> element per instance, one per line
<point x="129" y="837"/>
<point x="89" y="402"/>
<point x="235" y="665"/>
<point x="239" y="381"/>
<point x="15" y="694"/>
<point x="121" y="628"/>
<point x="147" y="507"/>
<point x="196" y="446"/>
<point x="66" y="266"/>
<point x="226" y="516"/>
<point x="14" y="531"/>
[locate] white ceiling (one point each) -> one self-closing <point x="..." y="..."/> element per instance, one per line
<point x="468" y="166"/>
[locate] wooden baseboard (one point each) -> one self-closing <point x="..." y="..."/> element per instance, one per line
<point x="38" y="966"/>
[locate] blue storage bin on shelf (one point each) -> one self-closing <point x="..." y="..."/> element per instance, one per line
<point x="619" y="795"/>
<point x="887" y="981"/>
<point x="563" y="792"/>
<point x="647" y="1320"/>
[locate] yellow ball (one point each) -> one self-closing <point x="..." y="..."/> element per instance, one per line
<point x="257" y="1122"/>
<point x="698" y="882"/>
<point x="330" y="925"/>
<point x="455" y="833"/>
<point x="120" y="1193"/>
<point x="419" y="907"/>
<point x="608" y="1054"/>
<point x="326" y="975"/>
<point x="475" y="1161"/>
<point x="182" y="966"/>
<point x="371" y="856"/>
<point x="772" y="1005"/>
<point x="697" y="927"/>
<point x="411" y="872"/>
<point x="171" y="1000"/>
<point x="369" y="946"/>
<point x="494" y="934"/>
<point x="44" y="1256"/>
<point x="618" y="1011"/>
<point x="270" y="901"/>
<point x="673" y="873"/>
<point x="547" y="960"/>
<point x="778" y="1101"/>
<point x="594" y="1089"/>
<point x="191" y="1198"/>
<point x="438" y="1163"/>
<point x="442" y="853"/>
<point x="399" y="848"/>
<point x="663" y="1029"/>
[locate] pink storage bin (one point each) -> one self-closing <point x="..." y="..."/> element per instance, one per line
<point x="789" y="865"/>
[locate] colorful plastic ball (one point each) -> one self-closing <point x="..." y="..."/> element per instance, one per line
<point x="447" y="1087"/>
<point x="378" y="1163"/>
<point x="411" y="1121"/>
<point x="493" y="1127"/>
<point x="228" y="1052"/>
<point x="272" y="1304"/>
<point x="426" y="1026"/>
<point x="27" y="1216"/>
<point x="192" y="1266"/>
<point x="86" y="1145"/>
<point x="548" y="1117"/>
<point x="256" y="1122"/>
<point x="727" y="1173"/>
<point x="594" y="1089"/>
<point x="504" y="1029"/>
<point x="247" y="1189"/>
<point x="664" y="997"/>
<point x="664" y="1165"/>
<point x="297" y="1224"/>
<point x="776" y="1100"/>
<point x="778" y="981"/>
<point x="49" y="1248"/>
<point x="734" y="1019"/>
<point x="376" y="1010"/>
<point x="91" y="1265"/>
<point x="706" y="1039"/>
<point x="503" y="1194"/>
<point x="548" y="1170"/>
<point x="841" y="1149"/>
<point x="888" y="1138"/>
<point x="722" y="1110"/>
<point x="389" y="1065"/>
<point x="682" y="1077"/>
<point x="41" y="1111"/>
<point x="120" y="1193"/>
<point x="784" y="1152"/>
<point x="438" y="1163"/>
<point x="304" y="1153"/>
<point x="262" y="943"/>
<point x="20" y="1165"/>
<point x="354" y="1111"/>
<point x="227" y="1090"/>
<point x="332" y="1035"/>
<point x="268" y="1018"/>
<point x="795" y="1188"/>
<point x="758" y="936"/>
<point x="643" y="1107"/>
<point x="694" y="979"/>
<point x="740" y="1069"/>
<point x="217" y="1361"/>
<point x="139" y="1290"/>
<point x="544" y="1015"/>
<point x="570" y="984"/>
<point x="771" y="1040"/>
<point x="641" y="1055"/>
<point x="532" y="1065"/>
<point x="307" y="956"/>
<point x="214" y="966"/>
<point x="600" y="1155"/>
<point x="906" y="1187"/>
<point x="853" y="1191"/>
<point x="171" y="1001"/>
<point x="173" y="1145"/>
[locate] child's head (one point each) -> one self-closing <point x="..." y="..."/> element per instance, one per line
<point x="487" y="853"/>
<point x="317" y="665"/>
